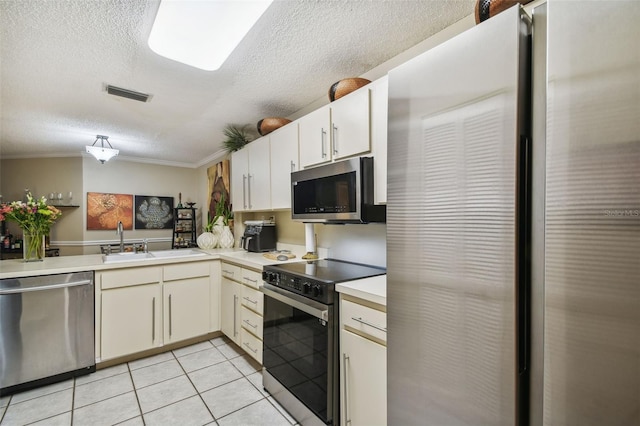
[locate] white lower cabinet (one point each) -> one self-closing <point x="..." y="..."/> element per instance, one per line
<point x="131" y="320"/>
<point x="252" y="345"/>
<point x="142" y="308"/>
<point x="242" y="308"/>
<point x="251" y="321"/>
<point x="231" y="292"/>
<point x="186" y="309"/>
<point x="363" y="369"/>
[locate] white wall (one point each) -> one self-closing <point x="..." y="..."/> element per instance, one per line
<point x="43" y="176"/>
<point x="127" y="177"/>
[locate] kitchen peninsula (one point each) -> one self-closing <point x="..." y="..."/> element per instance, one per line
<point x="152" y="304"/>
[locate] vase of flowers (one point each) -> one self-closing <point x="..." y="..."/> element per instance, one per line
<point x="33" y="247"/>
<point x="35" y="218"/>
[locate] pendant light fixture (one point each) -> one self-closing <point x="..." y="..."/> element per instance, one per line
<point x="101" y="152"/>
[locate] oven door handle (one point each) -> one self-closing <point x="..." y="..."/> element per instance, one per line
<point x="311" y="307"/>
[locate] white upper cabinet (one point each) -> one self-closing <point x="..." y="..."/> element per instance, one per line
<point x="239" y="173"/>
<point x="284" y="160"/>
<point x="259" y="181"/>
<point x="336" y="131"/>
<point x="315" y="137"/>
<point x="250" y="177"/>
<point x="379" y="91"/>
<point x="353" y="125"/>
<point x="350" y="125"/>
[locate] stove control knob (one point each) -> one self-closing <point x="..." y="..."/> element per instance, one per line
<point x="306" y="288"/>
<point x="317" y="290"/>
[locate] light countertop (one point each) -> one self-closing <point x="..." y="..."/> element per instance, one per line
<point x="372" y="289"/>
<point x="16" y="268"/>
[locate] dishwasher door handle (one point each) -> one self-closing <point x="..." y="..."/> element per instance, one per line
<point x="45" y="287"/>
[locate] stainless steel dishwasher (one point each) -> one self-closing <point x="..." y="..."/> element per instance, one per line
<point x="46" y="329"/>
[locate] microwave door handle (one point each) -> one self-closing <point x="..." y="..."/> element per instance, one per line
<point x="309" y="306"/>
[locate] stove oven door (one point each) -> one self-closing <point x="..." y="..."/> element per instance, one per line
<point x="300" y="350"/>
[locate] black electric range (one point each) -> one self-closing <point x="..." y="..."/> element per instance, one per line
<point x="316" y="279"/>
<point x="301" y="344"/>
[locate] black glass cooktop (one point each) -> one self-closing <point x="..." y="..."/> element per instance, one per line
<point x="330" y="271"/>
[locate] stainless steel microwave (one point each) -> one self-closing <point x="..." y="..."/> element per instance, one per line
<point x="340" y="192"/>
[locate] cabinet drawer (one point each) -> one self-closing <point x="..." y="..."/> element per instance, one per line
<point x="367" y="321"/>
<point x="251" y="278"/>
<point x="252" y="322"/>
<point x="251" y="344"/>
<point x="231" y="271"/>
<point x="186" y="270"/>
<point x="129" y="277"/>
<point x="252" y="299"/>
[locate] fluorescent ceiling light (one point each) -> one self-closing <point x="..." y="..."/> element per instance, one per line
<point x="203" y="33"/>
<point x="101" y="152"/>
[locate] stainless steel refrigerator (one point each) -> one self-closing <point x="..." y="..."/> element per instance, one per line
<point x="513" y="222"/>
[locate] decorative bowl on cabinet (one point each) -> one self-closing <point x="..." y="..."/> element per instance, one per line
<point x="269" y="124"/>
<point x="346" y="86"/>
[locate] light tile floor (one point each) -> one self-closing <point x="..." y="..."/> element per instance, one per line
<point x="209" y="383"/>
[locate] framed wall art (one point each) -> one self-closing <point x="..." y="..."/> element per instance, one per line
<point x="153" y="212"/>
<point x="218" y="176"/>
<point x="105" y="210"/>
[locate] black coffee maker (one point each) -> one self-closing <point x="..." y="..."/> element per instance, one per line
<point x="259" y="236"/>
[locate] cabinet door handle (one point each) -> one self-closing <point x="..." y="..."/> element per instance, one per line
<point x="153" y="319"/>
<point x="235" y="310"/>
<point x="255" y="302"/>
<point x="255" y="327"/>
<point x="361" y="321"/>
<point x="323" y="135"/>
<point x="249" y="190"/>
<point x="244" y="193"/>
<point x="293" y="166"/>
<point x="345" y="363"/>
<point x="170" y="319"/>
<point x="255" y="351"/>
<point x="335" y="139"/>
<point x="227" y="272"/>
<point x="249" y="279"/>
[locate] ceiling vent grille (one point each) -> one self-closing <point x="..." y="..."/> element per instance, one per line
<point x="126" y="93"/>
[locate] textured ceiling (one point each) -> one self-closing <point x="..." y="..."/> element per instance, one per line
<point x="57" y="55"/>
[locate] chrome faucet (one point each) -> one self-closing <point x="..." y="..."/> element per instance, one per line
<point x="120" y="231"/>
<point x="145" y="245"/>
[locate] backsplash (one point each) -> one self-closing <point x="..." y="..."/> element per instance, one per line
<point x="354" y="243"/>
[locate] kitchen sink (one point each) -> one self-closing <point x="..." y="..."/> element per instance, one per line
<point x="162" y="254"/>
<point x="125" y="257"/>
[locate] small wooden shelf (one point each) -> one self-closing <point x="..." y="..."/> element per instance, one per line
<point x="184" y="228"/>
